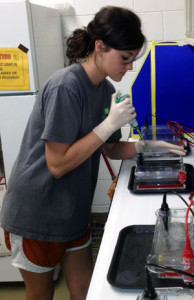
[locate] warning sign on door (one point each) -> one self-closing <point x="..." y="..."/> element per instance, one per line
<point x="14" y="73"/>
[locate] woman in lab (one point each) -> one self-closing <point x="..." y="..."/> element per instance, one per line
<point x="46" y="209"/>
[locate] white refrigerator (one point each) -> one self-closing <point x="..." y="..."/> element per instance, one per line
<point x="31" y="49"/>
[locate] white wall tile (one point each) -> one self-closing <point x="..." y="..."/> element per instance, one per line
<point x="100" y="208"/>
<point x="101" y="201"/>
<point x="124" y="85"/>
<point x="91" y="7"/>
<point x="125" y="132"/>
<point x="148" y="5"/>
<point x="115" y="164"/>
<point x="157" y="5"/>
<point x="103" y="169"/>
<point x="174" y="25"/>
<point x="140" y="61"/>
<point x="173" y="4"/>
<point x="2" y="193"/>
<point x="152" y="26"/>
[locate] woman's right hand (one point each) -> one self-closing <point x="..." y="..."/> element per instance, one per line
<point x="119" y="115"/>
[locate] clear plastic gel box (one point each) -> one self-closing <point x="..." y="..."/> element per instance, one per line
<point x="169" y="242"/>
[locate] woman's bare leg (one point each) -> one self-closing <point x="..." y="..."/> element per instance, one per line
<point x="39" y="286"/>
<point x="77" y="268"/>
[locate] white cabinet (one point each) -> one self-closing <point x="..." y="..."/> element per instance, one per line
<point x="189" y="22"/>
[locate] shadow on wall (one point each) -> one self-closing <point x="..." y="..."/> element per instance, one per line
<point x="65" y="8"/>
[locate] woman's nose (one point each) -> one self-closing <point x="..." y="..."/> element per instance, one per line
<point x="129" y="66"/>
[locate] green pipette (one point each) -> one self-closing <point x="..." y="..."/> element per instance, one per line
<point x="133" y="123"/>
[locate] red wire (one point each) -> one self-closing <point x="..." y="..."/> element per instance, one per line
<point x="188" y="251"/>
<point x="178" y="130"/>
<point x="108" y="165"/>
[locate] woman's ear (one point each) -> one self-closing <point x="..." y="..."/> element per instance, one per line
<point x="99" y="46"/>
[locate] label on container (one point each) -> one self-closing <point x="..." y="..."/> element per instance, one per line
<point x="14" y="73"/>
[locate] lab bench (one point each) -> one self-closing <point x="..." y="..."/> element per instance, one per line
<point x="127" y="209"/>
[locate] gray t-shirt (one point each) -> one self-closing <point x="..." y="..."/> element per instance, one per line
<point x="37" y="205"/>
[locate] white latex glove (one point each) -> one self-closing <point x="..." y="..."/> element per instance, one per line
<point x="159" y="146"/>
<point x="119" y="115"/>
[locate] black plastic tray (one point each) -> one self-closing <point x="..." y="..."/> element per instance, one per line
<point x="127" y="268"/>
<point x="189" y="184"/>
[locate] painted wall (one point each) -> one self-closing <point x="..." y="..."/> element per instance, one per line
<point x="161" y="21"/>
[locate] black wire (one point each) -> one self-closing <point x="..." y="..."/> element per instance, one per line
<point x="183" y="201"/>
<point x="149" y="291"/>
<point x="165" y="212"/>
<point x="182" y="125"/>
<point x="171" y="269"/>
<point x="157" y="117"/>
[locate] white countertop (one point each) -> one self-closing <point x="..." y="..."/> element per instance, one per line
<point x="127" y="209"/>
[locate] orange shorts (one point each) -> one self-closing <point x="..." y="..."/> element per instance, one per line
<point x="40" y="256"/>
